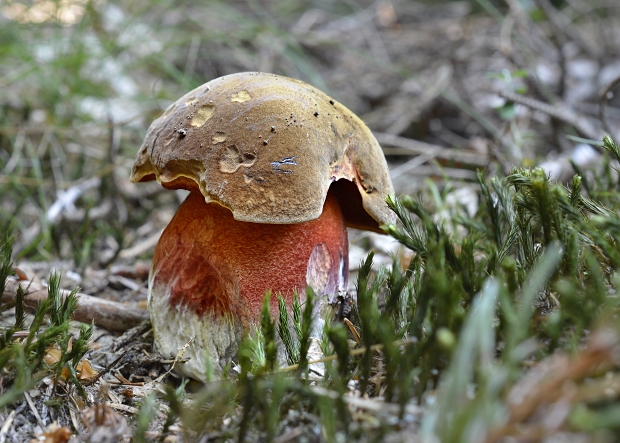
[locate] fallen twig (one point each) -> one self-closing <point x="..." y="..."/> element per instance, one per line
<point x="105" y="370"/>
<point x="107" y="314"/>
<point x="373" y="405"/>
<point x="415" y="162"/>
<point x="140" y="248"/>
<point x="564" y="29"/>
<point x="6" y="426"/>
<point x="434" y="170"/>
<point x="418" y="147"/>
<point x="130" y="335"/>
<point x="124" y="381"/>
<point x="135" y="271"/>
<point x="34" y="410"/>
<point x="178" y="357"/>
<point x="67" y="198"/>
<point x="564" y="114"/>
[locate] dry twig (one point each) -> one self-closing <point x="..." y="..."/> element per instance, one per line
<point x="420" y="148"/>
<point x="107" y="314"/>
<point x="564" y="29"/>
<point x="6" y="426"/>
<point x="562" y="113"/>
<point x="372" y="405"/>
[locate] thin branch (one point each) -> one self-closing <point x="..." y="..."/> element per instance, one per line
<point x="105" y="370"/>
<point x="562" y="113"/>
<point x="107" y="314"/>
<point x="67" y="198"/>
<point x="420" y="148"/>
<point x="372" y="405"/>
<point x="564" y="29"/>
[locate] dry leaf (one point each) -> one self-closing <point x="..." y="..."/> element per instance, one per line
<point x="52" y="355"/>
<point x="54" y="434"/>
<point x="127" y="393"/>
<point x="85" y="371"/>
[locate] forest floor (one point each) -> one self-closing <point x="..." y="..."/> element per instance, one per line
<point x="448" y="88"/>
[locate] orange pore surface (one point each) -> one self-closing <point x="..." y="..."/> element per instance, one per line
<point x="213" y="264"/>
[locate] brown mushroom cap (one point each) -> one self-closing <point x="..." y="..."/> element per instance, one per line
<point x="268" y="148"/>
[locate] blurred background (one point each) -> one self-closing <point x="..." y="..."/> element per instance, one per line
<point x="448" y="87"/>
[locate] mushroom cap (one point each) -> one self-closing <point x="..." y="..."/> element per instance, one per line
<point x="268" y="148"/>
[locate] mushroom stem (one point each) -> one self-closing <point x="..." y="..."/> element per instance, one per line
<point x="212" y="269"/>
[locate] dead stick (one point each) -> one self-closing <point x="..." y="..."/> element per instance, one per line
<point x="105" y="370"/>
<point x="107" y="314"/>
<point x="417" y="147"/>
<point x="560" y="112"/>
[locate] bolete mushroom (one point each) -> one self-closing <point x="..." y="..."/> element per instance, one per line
<point x="276" y="170"/>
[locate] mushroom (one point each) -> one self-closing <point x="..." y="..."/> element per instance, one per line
<point x="276" y="171"/>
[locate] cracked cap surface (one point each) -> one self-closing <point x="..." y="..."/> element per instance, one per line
<point x="268" y="148"/>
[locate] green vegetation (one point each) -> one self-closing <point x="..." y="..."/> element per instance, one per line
<point x="22" y="360"/>
<point x="535" y="275"/>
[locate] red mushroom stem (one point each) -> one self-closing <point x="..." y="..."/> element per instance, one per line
<point x="212" y="264"/>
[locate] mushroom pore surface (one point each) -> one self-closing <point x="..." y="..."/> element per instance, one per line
<point x="212" y="264"/>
